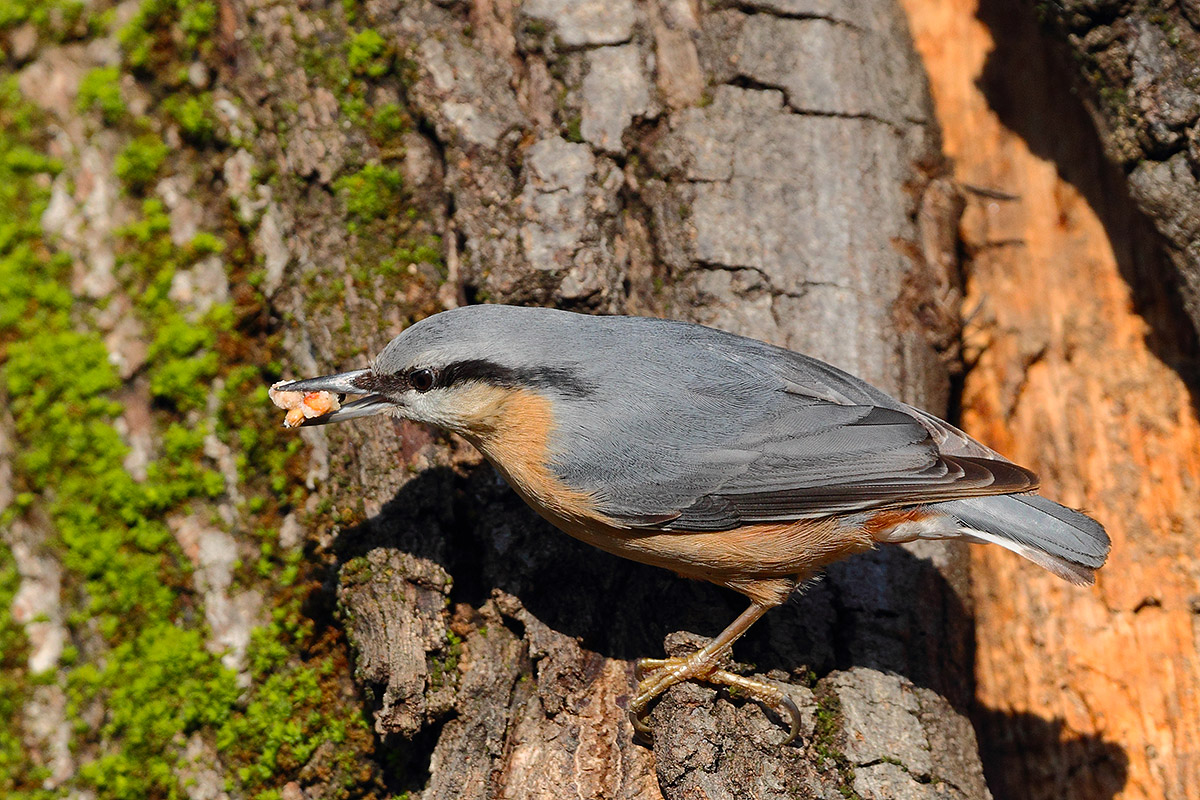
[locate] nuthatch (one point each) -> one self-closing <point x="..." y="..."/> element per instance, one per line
<point x="719" y="457"/>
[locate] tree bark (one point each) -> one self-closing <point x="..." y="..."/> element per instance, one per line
<point x="1137" y="70"/>
<point x="768" y="166"/>
<point x="1082" y="367"/>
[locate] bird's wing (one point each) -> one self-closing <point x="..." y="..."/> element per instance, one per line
<point x="798" y="456"/>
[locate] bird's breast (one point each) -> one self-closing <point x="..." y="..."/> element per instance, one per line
<point x="513" y="429"/>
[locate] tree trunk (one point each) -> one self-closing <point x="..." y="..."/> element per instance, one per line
<point x="738" y="183"/>
<point x="1137" y="67"/>
<point x="1082" y="368"/>
<point x="770" y="167"/>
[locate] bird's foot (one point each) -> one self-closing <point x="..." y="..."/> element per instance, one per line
<point x="656" y="675"/>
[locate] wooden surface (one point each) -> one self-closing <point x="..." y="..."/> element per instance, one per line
<point x="1077" y="374"/>
<point x="770" y="167"/>
<point x="759" y="169"/>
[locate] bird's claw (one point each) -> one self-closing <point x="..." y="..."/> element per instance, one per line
<point x="766" y="693"/>
<point x="655" y="676"/>
<point x="652" y="682"/>
<point x="642" y="730"/>
<point x="793" y="712"/>
<point x="643" y="666"/>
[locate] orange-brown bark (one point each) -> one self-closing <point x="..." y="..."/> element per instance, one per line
<point x="1082" y="693"/>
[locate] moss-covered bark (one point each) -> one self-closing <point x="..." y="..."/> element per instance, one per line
<point x="203" y="196"/>
<point x="178" y="649"/>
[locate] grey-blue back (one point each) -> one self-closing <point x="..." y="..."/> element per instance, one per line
<point x="678" y="426"/>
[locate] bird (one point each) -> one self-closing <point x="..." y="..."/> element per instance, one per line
<point x="719" y="457"/>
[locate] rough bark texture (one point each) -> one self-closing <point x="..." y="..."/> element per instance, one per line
<point x="651" y="158"/>
<point x="1081" y="367"/>
<point x="245" y="188"/>
<point x="1139" y="64"/>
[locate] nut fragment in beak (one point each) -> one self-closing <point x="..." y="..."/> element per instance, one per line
<point x="303" y="406"/>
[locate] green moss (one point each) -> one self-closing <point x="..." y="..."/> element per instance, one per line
<point x="1115" y="99"/>
<point x="825" y="739"/>
<point x="137" y="37"/>
<point x="829" y="709"/>
<point x="443" y="668"/>
<point x="180" y="475"/>
<point x="138" y="164"/>
<point x="326" y="61"/>
<point x="183" y="363"/>
<point x="266" y="453"/>
<point x="117" y="554"/>
<point x="197" y="20"/>
<point x="371" y="193"/>
<point x="194" y="114"/>
<point x="163" y="685"/>
<point x="389" y="121"/>
<point x="575" y="129"/>
<point x="355" y="571"/>
<point x="138" y="658"/>
<point x="427" y="250"/>
<point x="152" y="224"/>
<point x="57" y="407"/>
<point x="535" y="28"/>
<point x="409" y="72"/>
<point x="355" y="110"/>
<point x="368" y="54"/>
<point x="16" y="775"/>
<point x="50" y="16"/>
<point x="160" y="685"/>
<point x="282" y="724"/>
<point x="108" y="524"/>
<point x="100" y="90"/>
<point x="204" y="244"/>
<point x="148" y="260"/>
<point x="149" y="42"/>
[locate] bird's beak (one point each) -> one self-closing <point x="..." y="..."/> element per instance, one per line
<point x="343" y="383"/>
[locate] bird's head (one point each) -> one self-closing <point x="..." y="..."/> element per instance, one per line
<point x="462" y="370"/>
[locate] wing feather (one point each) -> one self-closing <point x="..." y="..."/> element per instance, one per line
<point x="744" y="432"/>
<point x="829" y="460"/>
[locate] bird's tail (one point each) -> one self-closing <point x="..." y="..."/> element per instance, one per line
<point x="1066" y="542"/>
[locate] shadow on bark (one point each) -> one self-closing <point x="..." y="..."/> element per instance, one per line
<point x="483" y="535"/>
<point x="1069" y="766"/>
<point x="887" y="610"/>
<point x="1030" y="80"/>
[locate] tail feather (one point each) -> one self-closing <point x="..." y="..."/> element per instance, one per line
<point x="1069" y="544"/>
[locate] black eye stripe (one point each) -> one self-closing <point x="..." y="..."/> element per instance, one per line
<point x="566" y="381"/>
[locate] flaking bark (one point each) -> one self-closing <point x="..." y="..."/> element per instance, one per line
<point x="766" y="166"/>
<point x="1084" y="368"/>
<point x="1136" y="65"/>
<point x="769" y="168"/>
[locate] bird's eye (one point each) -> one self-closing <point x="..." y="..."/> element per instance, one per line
<point x="421" y="379"/>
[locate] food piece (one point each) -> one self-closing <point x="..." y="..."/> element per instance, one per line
<point x="303" y="405"/>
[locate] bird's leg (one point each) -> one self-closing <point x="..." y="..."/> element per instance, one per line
<point x="661" y="674"/>
<point x="665" y="673"/>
